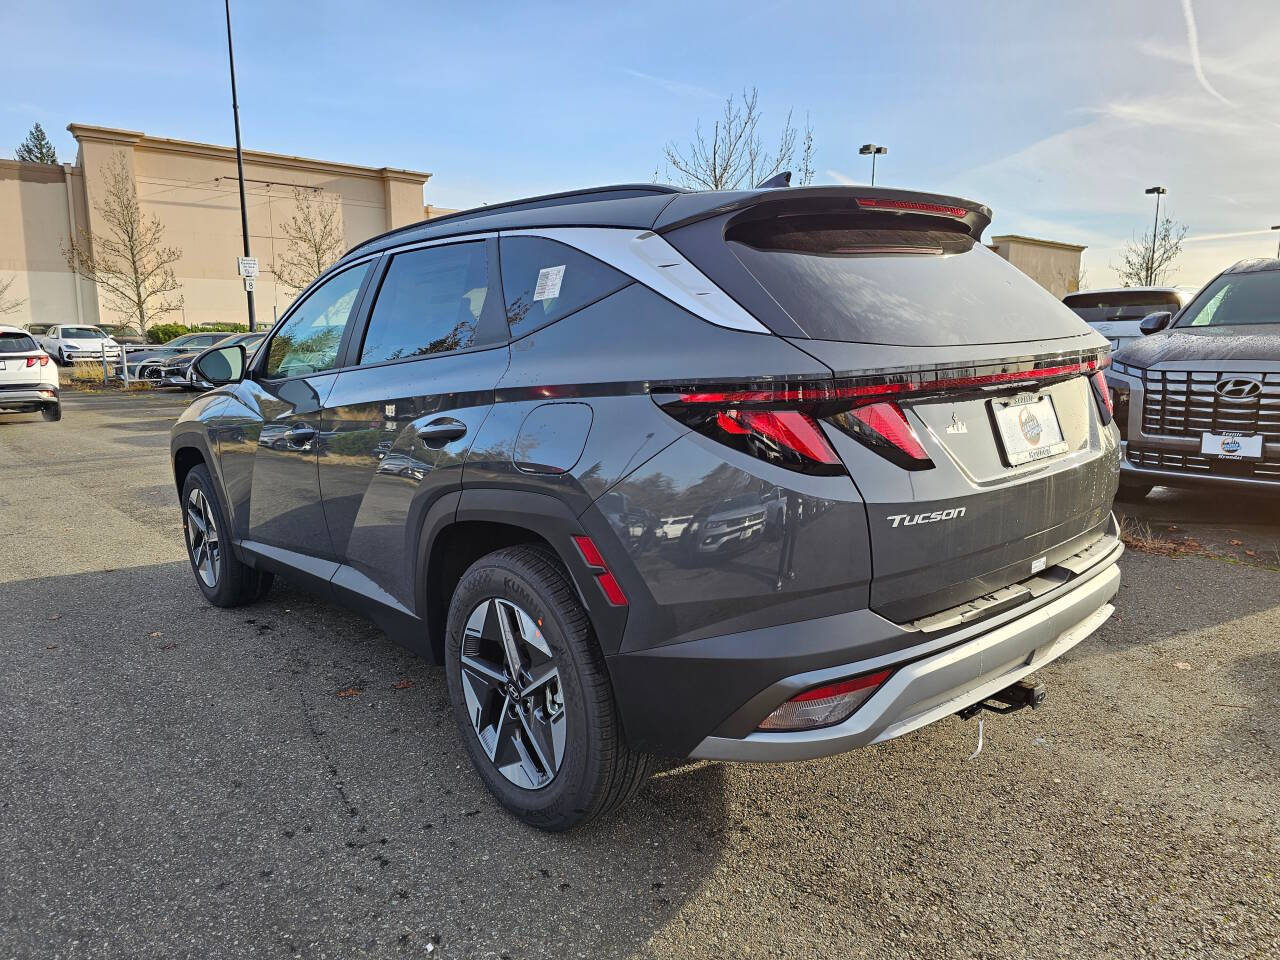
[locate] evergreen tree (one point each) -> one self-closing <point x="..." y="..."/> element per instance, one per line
<point x="37" y="148"/>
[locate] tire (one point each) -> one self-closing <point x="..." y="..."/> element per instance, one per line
<point x="1133" y="491"/>
<point x="221" y="577"/>
<point x="597" y="771"/>
<point x="52" y="412"/>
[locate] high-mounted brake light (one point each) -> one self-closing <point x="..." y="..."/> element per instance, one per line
<point x="911" y="206"/>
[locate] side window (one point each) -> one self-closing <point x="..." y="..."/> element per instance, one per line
<point x="543" y="281"/>
<point x="308" y="341"/>
<point x="430" y="301"/>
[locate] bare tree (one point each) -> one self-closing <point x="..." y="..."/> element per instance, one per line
<point x="735" y="156"/>
<point x="129" y="261"/>
<point x="315" y="239"/>
<point x="7" y="303"/>
<point x="1147" y="260"/>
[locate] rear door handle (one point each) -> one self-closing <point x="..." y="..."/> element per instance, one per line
<point x="439" y="432"/>
<point x="300" y="435"/>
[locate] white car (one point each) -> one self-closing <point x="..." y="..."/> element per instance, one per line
<point x="28" y="378"/>
<point x="1117" y="313"/>
<point x="67" y="343"/>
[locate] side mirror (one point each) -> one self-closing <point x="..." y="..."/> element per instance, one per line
<point x="219" y="365"/>
<point x="1155" y="322"/>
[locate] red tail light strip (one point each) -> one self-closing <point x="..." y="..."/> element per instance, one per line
<point x="842" y="687"/>
<point x="592" y="557"/>
<point x="877" y="387"/>
<point x="42" y="359"/>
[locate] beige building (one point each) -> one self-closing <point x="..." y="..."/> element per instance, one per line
<point x="1053" y="265"/>
<point x="193" y="189"/>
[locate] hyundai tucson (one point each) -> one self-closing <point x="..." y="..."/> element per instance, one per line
<point x="761" y="475"/>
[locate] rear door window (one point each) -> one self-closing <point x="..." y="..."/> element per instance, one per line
<point x="543" y="281"/>
<point x="870" y="279"/>
<point x="430" y="301"/>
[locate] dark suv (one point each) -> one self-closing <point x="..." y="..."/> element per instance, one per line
<point x="761" y="475"/>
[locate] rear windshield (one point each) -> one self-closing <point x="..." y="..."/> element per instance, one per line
<point x="872" y="280"/>
<point x="1121" y="304"/>
<point x="16" y="342"/>
<point x="1236" y="299"/>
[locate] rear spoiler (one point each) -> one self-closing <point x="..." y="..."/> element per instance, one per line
<point x="688" y="208"/>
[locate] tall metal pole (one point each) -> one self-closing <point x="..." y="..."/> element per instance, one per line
<point x="235" y="110"/>
<point x="1151" y="270"/>
<point x="873" y="169"/>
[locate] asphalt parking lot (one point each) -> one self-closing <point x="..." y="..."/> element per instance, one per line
<point x="281" y="780"/>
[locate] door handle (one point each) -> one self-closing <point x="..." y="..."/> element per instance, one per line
<point x="300" y="435"/>
<point x="439" y="432"/>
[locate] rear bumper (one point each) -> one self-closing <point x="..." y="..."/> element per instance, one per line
<point x="26" y="395"/>
<point x="933" y="687"/>
<point x="706" y="698"/>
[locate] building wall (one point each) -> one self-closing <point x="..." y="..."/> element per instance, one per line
<point x="1055" y="266"/>
<point x="193" y="189"/>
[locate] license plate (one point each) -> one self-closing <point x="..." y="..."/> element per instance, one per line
<point x="1232" y="446"/>
<point x="1029" y="429"/>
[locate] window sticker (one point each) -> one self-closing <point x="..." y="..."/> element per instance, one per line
<point x="549" y="280"/>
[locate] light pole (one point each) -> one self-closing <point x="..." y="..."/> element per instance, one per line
<point x="873" y="150"/>
<point x="1277" y="227"/>
<point x="235" y="111"/>
<point x="1151" y="264"/>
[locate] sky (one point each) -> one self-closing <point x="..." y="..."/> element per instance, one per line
<point x="1056" y="115"/>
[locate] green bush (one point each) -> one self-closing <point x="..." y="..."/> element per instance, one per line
<point x="164" y="332"/>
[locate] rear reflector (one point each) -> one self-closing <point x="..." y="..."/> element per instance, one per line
<point x="825" y="705"/>
<point x="911" y="206"/>
<point x="592" y="557"/>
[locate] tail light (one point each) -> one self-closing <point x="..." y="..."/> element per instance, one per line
<point x="42" y="359"/>
<point x="1102" y="392"/>
<point x="825" y="705"/>
<point x="778" y="421"/>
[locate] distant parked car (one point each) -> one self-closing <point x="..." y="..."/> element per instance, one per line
<point x="176" y="370"/>
<point x="123" y="334"/>
<point x="68" y="343"/>
<point x="1198" y="401"/>
<point x="1116" y="313"/>
<point x="146" y="364"/>
<point x="28" y="379"/>
<point x="37" y="329"/>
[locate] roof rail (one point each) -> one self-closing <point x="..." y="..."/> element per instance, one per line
<point x="589" y="195"/>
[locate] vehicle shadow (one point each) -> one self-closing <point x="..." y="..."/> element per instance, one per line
<point x="288" y="770"/>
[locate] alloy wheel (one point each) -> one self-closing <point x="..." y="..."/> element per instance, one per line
<point x="202" y="538"/>
<point x="513" y="694"/>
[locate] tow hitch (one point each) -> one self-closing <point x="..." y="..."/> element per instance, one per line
<point x="1011" y="698"/>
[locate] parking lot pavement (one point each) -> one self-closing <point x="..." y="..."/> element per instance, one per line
<point x="280" y="780"/>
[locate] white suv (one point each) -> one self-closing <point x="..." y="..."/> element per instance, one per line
<point x="28" y="380"/>
<point x="68" y="343"/>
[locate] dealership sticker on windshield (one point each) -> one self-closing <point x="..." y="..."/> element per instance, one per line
<point x="549" y="280"/>
<point x="1232" y="446"/>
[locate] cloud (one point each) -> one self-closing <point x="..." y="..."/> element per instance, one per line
<point x="843" y="178"/>
<point x="677" y="87"/>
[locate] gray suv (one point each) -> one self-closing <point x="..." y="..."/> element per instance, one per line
<point x="1198" y="399"/>
<point x="760" y="476"/>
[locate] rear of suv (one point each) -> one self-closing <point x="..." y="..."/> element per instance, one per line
<point x="760" y="475"/>
<point x="28" y="378"/>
